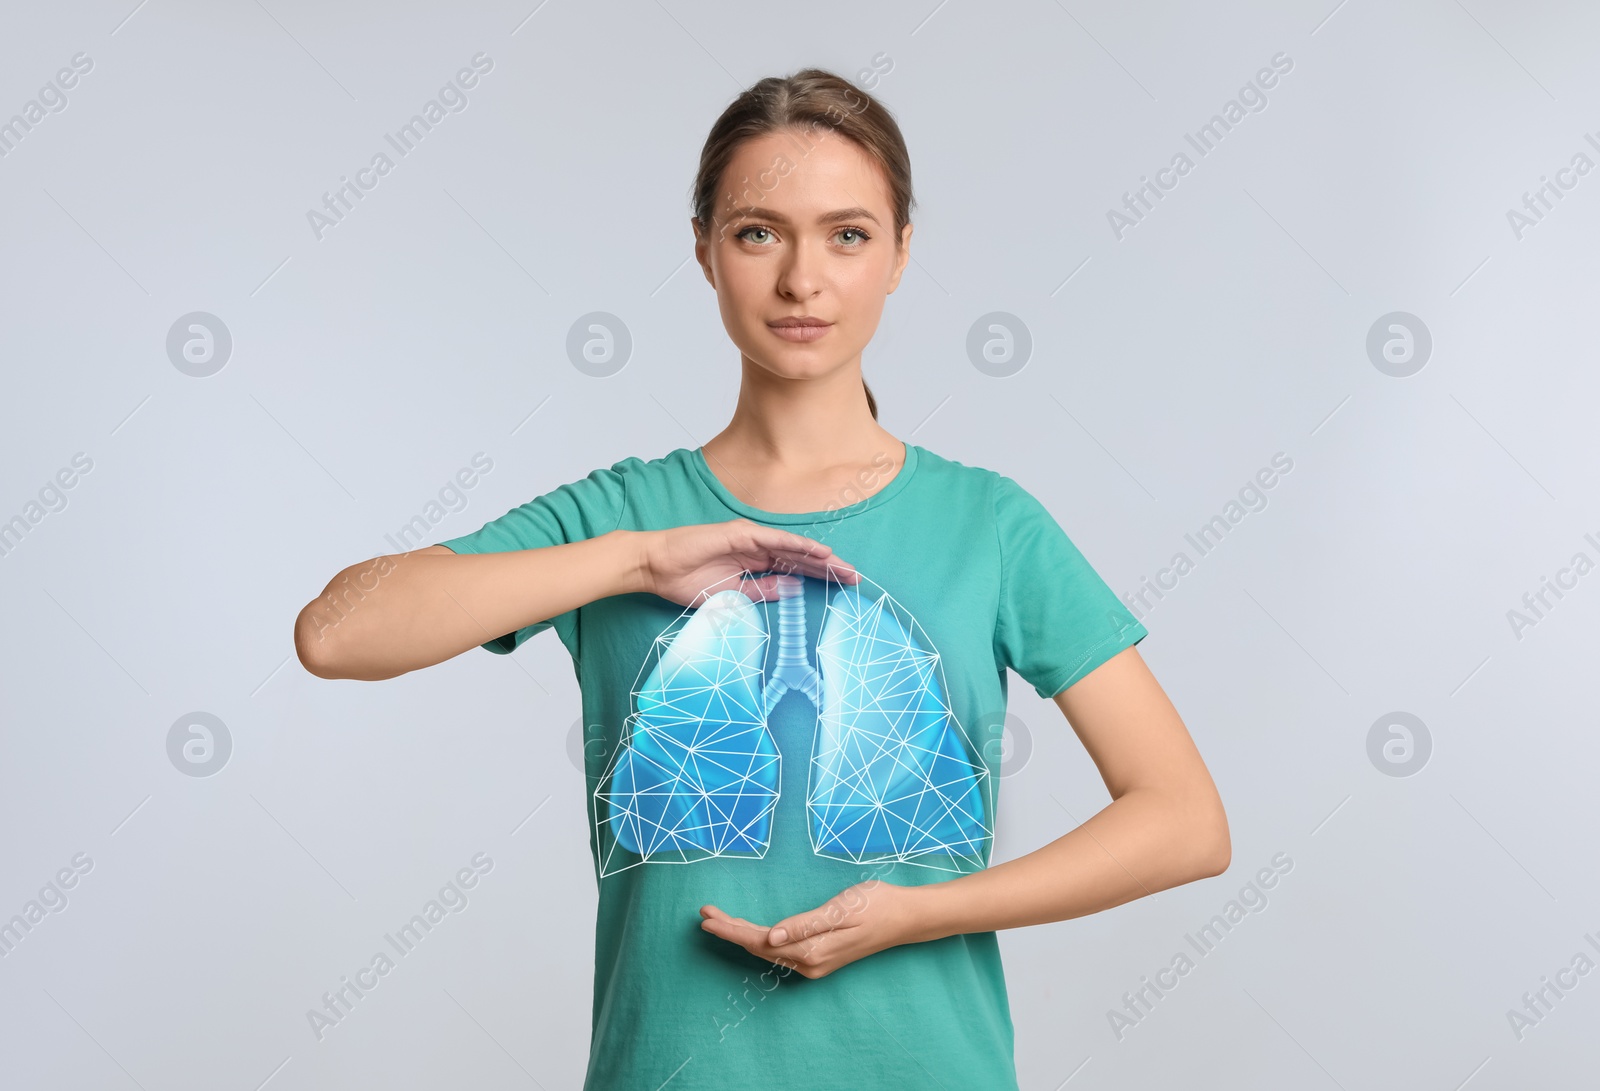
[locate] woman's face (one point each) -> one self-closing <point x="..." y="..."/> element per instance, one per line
<point x="802" y="227"/>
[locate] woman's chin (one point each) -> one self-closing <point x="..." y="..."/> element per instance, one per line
<point x="798" y="365"/>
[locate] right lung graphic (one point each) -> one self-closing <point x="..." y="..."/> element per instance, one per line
<point x="892" y="776"/>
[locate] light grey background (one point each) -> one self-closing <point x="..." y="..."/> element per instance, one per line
<point x="1168" y="368"/>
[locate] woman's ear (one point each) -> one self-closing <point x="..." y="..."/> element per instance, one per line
<point x="702" y="251"/>
<point x="900" y="263"/>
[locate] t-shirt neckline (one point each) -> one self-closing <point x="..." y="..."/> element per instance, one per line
<point x="882" y="496"/>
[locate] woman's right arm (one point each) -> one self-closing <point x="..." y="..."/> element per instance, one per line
<point x="398" y="612"/>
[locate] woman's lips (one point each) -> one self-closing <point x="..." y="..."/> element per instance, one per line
<point x="800" y="333"/>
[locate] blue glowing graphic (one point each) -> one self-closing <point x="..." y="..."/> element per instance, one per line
<point x="892" y="776"/>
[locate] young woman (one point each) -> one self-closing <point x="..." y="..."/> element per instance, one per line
<point x="792" y="644"/>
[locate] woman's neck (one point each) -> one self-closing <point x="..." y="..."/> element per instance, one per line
<point x="804" y="475"/>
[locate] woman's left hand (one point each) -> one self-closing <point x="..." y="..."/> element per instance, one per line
<point x="859" y="921"/>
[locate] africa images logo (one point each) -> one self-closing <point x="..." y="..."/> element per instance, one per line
<point x="452" y="99"/>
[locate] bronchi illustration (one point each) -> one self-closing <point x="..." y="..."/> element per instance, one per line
<point x="892" y="774"/>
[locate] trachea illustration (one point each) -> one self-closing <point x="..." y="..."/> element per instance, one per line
<point x="892" y="775"/>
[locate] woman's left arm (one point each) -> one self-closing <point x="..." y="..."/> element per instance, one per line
<point x="1165" y="826"/>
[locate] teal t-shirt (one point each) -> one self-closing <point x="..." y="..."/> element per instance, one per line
<point x="763" y="756"/>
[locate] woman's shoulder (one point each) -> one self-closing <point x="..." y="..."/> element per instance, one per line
<point x="951" y="474"/>
<point x="677" y="461"/>
<point x="1001" y="497"/>
<point x="672" y="476"/>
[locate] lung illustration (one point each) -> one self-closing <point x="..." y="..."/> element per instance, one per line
<point x="892" y="776"/>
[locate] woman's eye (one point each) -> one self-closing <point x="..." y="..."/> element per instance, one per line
<point x="860" y="236"/>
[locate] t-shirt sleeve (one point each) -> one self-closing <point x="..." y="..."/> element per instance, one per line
<point x="574" y="512"/>
<point x="1057" y="619"/>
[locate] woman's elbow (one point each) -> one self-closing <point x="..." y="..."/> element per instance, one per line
<point x="313" y="643"/>
<point x="1218" y="851"/>
<point x="1214" y="847"/>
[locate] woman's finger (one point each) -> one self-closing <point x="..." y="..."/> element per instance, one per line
<point x="813" y="563"/>
<point x="767" y="588"/>
<point x="711" y="912"/>
<point x="803" y="927"/>
<point x="783" y="539"/>
<point x="788" y="542"/>
<point x="760" y="560"/>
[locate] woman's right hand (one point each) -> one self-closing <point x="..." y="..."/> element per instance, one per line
<point x="683" y="563"/>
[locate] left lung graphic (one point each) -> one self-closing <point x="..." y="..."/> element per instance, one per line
<point x="893" y="777"/>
